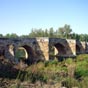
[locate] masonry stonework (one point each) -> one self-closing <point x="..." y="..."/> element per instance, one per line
<point x="81" y="47"/>
<point x="41" y="48"/>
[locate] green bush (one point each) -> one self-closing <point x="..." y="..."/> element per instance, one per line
<point x="31" y="76"/>
<point x="37" y="77"/>
<point x="82" y="57"/>
<point x="84" y="83"/>
<point x="55" y="71"/>
<point x="52" y="62"/>
<point x="81" y="69"/>
<point x="69" y="61"/>
<point x="70" y="82"/>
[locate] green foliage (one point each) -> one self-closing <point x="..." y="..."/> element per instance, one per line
<point x="81" y="66"/>
<point x="52" y="62"/>
<point x="84" y="83"/>
<point x="13" y="35"/>
<point x="32" y="76"/>
<point x="1" y="36"/>
<point x="81" y="69"/>
<point x="20" y="54"/>
<point x="65" y="31"/>
<point x="61" y="32"/>
<point x="54" y="72"/>
<point x="69" y="61"/>
<point x="70" y="82"/>
<point x="37" y="77"/>
<point x="51" y="32"/>
<point x="82" y="57"/>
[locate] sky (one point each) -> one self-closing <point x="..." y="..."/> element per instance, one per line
<point x="20" y="16"/>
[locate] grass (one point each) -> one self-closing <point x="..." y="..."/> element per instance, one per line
<point x="70" y="72"/>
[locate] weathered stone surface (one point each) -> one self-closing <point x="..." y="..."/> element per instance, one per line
<point x="81" y="47"/>
<point x="65" y="47"/>
<point x="40" y="48"/>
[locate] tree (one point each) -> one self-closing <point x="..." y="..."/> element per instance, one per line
<point x="24" y="36"/>
<point x="73" y="36"/>
<point x="32" y="33"/>
<point x="64" y="32"/>
<point x="67" y="30"/>
<point x="61" y="32"/>
<point x="7" y="35"/>
<point x="86" y="37"/>
<point x="51" y="32"/>
<point x="46" y="33"/>
<point x="1" y="35"/>
<point x="77" y="37"/>
<point x="13" y="35"/>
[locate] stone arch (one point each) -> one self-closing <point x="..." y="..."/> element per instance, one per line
<point x="57" y="50"/>
<point x="78" y="49"/>
<point x="29" y="53"/>
<point x="11" y="49"/>
<point x="24" y="54"/>
<point x="60" y="48"/>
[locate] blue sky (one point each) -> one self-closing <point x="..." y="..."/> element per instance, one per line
<point x="20" y="16"/>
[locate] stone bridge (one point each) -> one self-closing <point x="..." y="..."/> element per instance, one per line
<point x="41" y="48"/>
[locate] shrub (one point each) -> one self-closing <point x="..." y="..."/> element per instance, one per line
<point x="70" y="82"/>
<point x="33" y="77"/>
<point x="52" y="62"/>
<point x="81" y="69"/>
<point x="82" y="57"/>
<point x="69" y="61"/>
<point x="32" y="74"/>
<point x="84" y="83"/>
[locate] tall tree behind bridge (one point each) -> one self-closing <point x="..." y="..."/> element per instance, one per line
<point x="61" y="32"/>
<point x="13" y="35"/>
<point x="64" y="32"/>
<point x="51" y="32"/>
<point x="67" y="30"/>
<point x="1" y="35"/>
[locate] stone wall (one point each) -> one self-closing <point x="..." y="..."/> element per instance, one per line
<point x="67" y="47"/>
<point x="72" y="45"/>
<point x="43" y="46"/>
<point x="82" y="47"/>
<point x="40" y="48"/>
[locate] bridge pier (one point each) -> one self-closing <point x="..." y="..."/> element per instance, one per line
<point x="81" y="47"/>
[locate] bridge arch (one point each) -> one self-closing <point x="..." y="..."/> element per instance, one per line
<point x="29" y="53"/>
<point x="78" y="49"/>
<point x="22" y="52"/>
<point x="57" y="50"/>
<point x="11" y="49"/>
<point x="60" y="48"/>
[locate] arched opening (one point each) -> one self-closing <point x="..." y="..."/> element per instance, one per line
<point x="11" y="49"/>
<point x="21" y="53"/>
<point x="78" y="49"/>
<point x="25" y="53"/>
<point x="57" y="51"/>
<point x="61" y="49"/>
